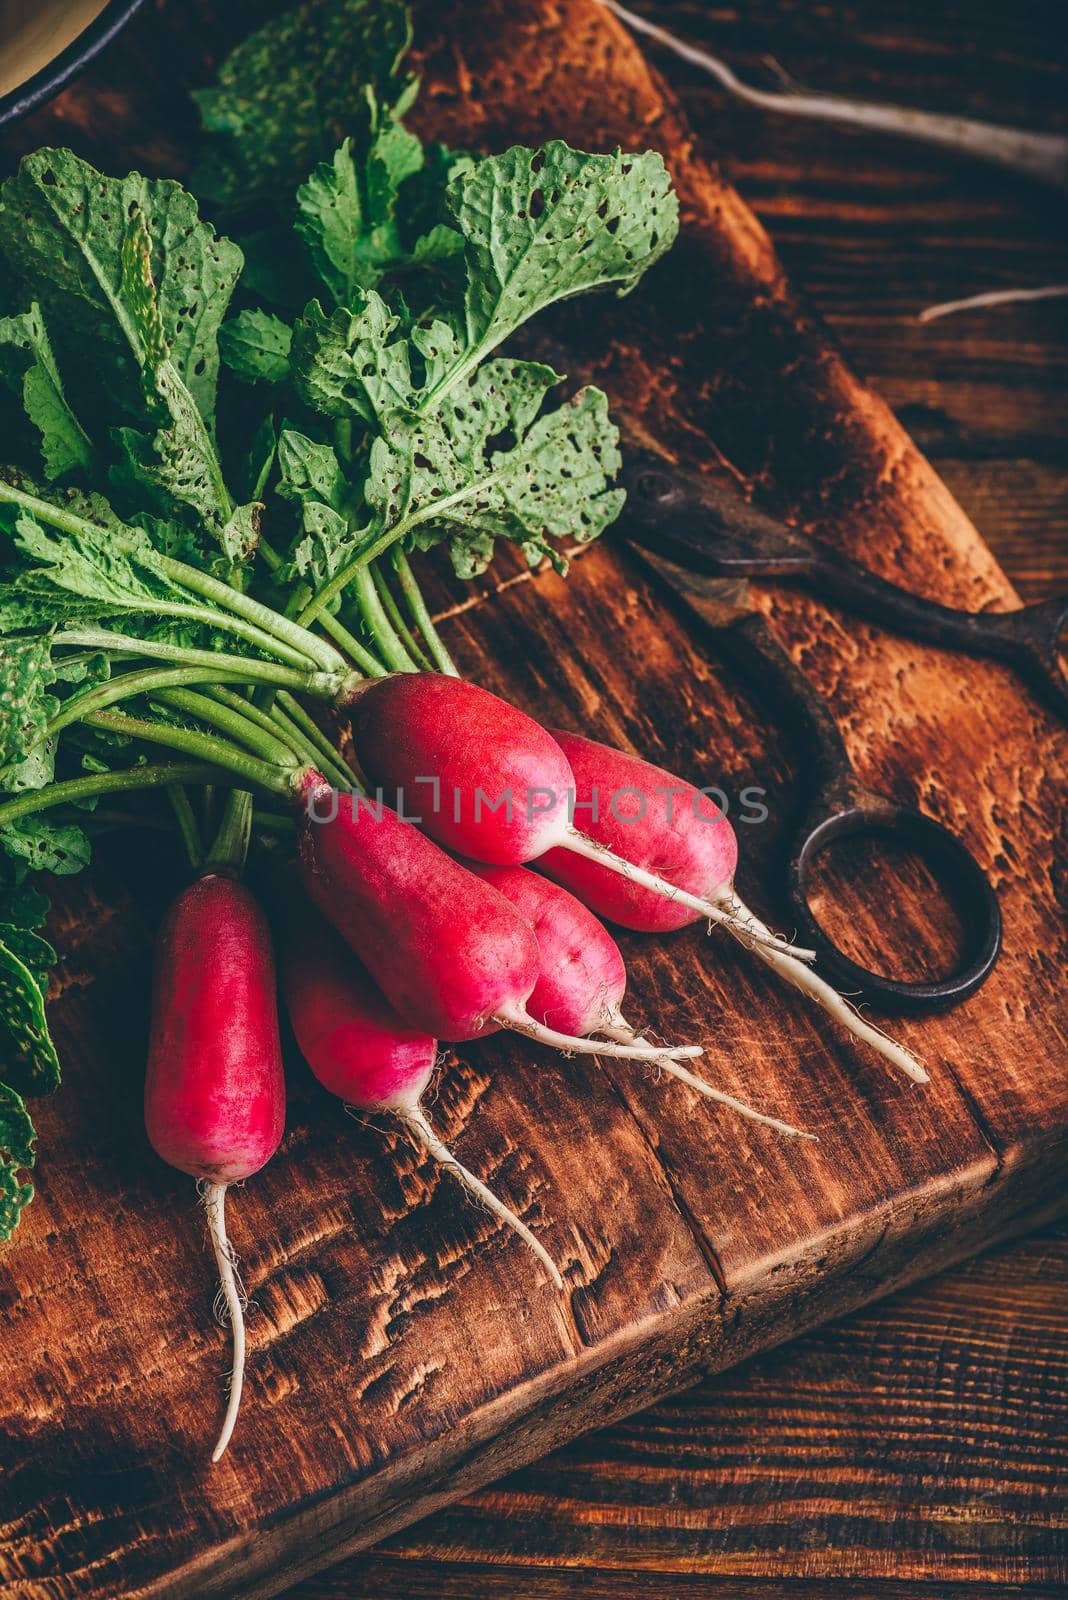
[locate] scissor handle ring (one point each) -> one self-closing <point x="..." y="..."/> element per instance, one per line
<point x="956" y="867"/>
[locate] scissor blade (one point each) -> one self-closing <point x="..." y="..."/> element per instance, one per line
<point x="716" y="601"/>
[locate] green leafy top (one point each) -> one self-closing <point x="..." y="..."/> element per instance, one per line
<point x="456" y="451"/>
<point x="365" y="405"/>
<point x="63" y="231"/>
<point x="30" y="370"/>
<point x="286" y="98"/>
<point x="541" y="225"/>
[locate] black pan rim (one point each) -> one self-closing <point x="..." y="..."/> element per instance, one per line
<point x="26" y="97"/>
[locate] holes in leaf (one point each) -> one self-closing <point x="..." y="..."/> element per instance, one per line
<point x="504" y="440"/>
<point x="537" y="204"/>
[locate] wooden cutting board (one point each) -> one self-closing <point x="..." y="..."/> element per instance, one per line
<point x="403" y="1348"/>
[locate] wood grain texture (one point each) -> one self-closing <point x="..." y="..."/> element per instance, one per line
<point x="918" y="1448"/>
<point x="689" y="1240"/>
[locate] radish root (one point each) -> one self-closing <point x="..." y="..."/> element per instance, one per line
<point x="725" y="908"/>
<point x="1043" y="156"/>
<point x="522" y="1022"/>
<point x="620" y="1029"/>
<point x="841" y="1009"/>
<point x="993" y="297"/>
<point x="415" y="1120"/>
<point x="225" y="1261"/>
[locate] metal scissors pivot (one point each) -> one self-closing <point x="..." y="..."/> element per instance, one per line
<point x="708" y="527"/>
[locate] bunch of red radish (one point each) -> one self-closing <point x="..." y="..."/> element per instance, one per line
<point x="439" y="933"/>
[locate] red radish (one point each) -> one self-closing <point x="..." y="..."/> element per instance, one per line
<point x="665" y="824"/>
<point x="452" y="955"/>
<point x="214" y="1089"/>
<point x="361" y="1050"/>
<point x="489" y="782"/>
<point x="687" y="850"/>
<point x="582" y="978"/>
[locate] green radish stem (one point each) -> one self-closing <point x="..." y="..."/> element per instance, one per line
<point x="319" y="685"/>
<point x="414" y="1119"/>
<point x="724" y="907"/>
<point x="242" y="706"/>
<point x="367" y="663"/>
<point x="232" y="1300"/>
<point x="69" y="790"/>
<point x="229" y="848"/>
<point x="414" y="649"/>
<point x="397" y="627"/>
<point x="374" y="615"/>
<point x="296" y="712"/>
<point x="300" y="596"/>
<point x="152" y="680"/>
<point x="271" y="622"/>
<point x="235" y="723"/>
<point x="620" y="1030"/>
<point x="420" y="614"/>
<point x="204" y="747"/>
<point x="187" y="825"/>
<point x="272" y="720"/>
<point x="341" y="580"/>
<point x="273" y="821"/>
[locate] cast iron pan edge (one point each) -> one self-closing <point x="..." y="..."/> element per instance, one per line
<point x="59" y="72"/>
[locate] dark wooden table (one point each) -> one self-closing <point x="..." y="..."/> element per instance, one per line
<point x="914" y="1450"/>
<point x="920" y="1448"/>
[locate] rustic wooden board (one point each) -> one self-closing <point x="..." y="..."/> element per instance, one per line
<point x="916" y="1448"/>
<point x="689" y="1239"/>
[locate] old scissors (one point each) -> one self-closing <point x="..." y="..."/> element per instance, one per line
<point x="841" y="806"/>
<point x="708" y="527"/>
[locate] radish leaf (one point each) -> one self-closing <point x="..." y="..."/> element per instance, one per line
<point x="285" y="96"/>
<point x="62" y="230"/>
<point x="454" y="476"/>
<point x="17" y="1138"/>
<point x="541" y="225"/>
<point x="311" y="476"/>
<point x="25" y="704"/>
<point x="351" y="363"/>
<point x="346" y="214"/>
<point x="28" y="1061"/>
<point x="255" y="346"/>
<point x="98" y="571"/>
<point x="65" y="446"/>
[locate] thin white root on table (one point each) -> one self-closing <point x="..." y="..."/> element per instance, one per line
<point x="993" y="297"/>
<point x="620" y="1029"/>
<point x="415" y="1120"/>
<point x="521" y="1022"/>
<point x="1039" y="155"/>
<point x="842" y="1010"/>
<point x="215" y="1205"/>
<point x="724" y="908"/>
<point x="746" y="921"/>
